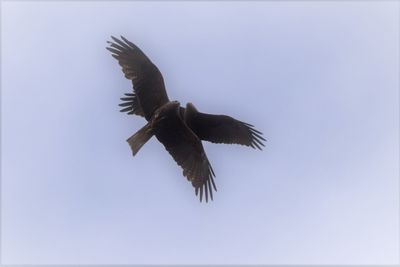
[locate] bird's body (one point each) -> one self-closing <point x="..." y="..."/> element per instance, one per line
<point x="179" y="129"/>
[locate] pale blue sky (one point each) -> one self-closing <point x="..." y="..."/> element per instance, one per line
<point x="320" y="79"/>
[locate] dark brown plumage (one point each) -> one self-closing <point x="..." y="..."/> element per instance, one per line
<point x="179" y="129"/>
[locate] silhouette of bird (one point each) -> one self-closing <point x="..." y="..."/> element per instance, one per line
<point x="179" y="129"/>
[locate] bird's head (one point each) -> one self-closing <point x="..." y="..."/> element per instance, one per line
<point x="189" y="112"/>
<point x="175" y="103"/>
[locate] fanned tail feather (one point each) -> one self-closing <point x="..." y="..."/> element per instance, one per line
<point x="140" y="138"/>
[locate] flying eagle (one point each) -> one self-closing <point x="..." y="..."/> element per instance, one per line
<point x="179" y="129"/>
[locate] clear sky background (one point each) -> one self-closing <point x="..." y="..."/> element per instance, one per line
<point x="319" y="79"/>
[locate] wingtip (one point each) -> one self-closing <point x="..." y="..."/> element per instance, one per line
<point x="206" y="192"/>
<point x="114" y="38"/>
<point x="125" y="40"/>
<point x="201" y="194"/>
<point x="126" y="109"/>
<point x="248" y="124"/>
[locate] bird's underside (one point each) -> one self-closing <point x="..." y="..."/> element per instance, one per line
<point x="179" y="129"/>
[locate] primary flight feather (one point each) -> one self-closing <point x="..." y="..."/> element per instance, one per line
<point x="179" y="129"/>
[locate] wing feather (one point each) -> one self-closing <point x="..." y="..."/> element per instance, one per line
<point x="223" y="129"/>
<point x="132" y="102"/>
<point x="188" y="152"/>
<point x="148" y="83"/>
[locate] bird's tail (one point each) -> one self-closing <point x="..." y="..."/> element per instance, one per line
<point x="140" y="138"/>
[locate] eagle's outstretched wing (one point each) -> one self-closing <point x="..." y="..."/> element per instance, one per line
<point x="222" y="129"/>
<point x="186" y="149"/>
<point x="148" y="83"/>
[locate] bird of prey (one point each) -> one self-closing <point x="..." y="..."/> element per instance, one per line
<point x="179" y="129"/>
